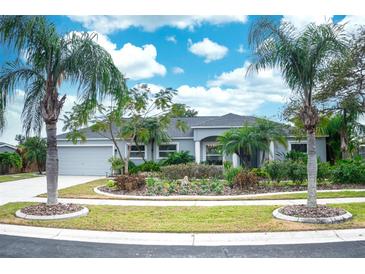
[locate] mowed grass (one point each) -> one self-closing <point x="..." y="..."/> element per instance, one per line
<point x="86" y="191"/>
<point x="15" y="177"/>
<point x="182" y="219"/>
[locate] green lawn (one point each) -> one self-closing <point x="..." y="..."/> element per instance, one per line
<point x="182" y="219"/>
<point x="15" y="177"/>
<point x="86" y="191"/>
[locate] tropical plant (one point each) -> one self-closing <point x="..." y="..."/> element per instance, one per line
<point x="342" y="93"/>
<point x="300" y="55"/>
<point x="36" y="151"/>
<point x="51" y="59"/>
<point x="178" y="157"/>
<point x="9" y="160"/>
<point x="117" y="164"/>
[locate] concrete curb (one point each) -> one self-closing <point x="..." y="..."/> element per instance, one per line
<point x="83" y="212"/>
<point x="209" y="197"/>
<point x="324" y="220"/>
<point x="186" y="239"/>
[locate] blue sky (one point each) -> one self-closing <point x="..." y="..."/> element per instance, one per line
<point x="204" y="58"/>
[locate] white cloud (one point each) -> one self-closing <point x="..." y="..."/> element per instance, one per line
<point x="301" y="21"/>
<point x="241" y="49"/>
<point x="171" y="39"/>
<point x="177" y="70"/>
<point x="108" y="24"/>
<point x="134" y="62"/>
<point x="208" y="49"/>
<point x="353" y="22"/>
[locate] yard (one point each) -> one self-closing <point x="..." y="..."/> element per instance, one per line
<point x="19" y="176"/>
<point x="182" y="219"/>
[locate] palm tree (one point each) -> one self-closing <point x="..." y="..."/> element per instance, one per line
<point x="300" y="56"/>
<point x="45" y="61"/>
<point x="36" y="151"/>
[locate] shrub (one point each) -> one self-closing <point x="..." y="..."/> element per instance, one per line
<point x="130" y="182"/>
<point x="296" y="156"/>
<point x="192" y="170"/>
<point x="216" y="186"/>
<point x="324" y="171"/>
<point x="132" y="167"/>
<point x="227" y="165"/>
<point x="295" y="170"/>
<point x="260" y="173"/>
<point x="179" y="157"/>
<point x="111" y="184"/>
<point x="9" y="160"/>
<point x="230" y="174"/>
<point x="149" y="166"/>
<point x="245" y="179"/>
<point x="117" y="164"/>
<point x="276" y="170"/>
<point x="349" y="171"/>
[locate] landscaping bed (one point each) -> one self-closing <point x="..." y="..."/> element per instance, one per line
<point x="86" y="191"/>
<point x="182" y="219"/>
<point x="49" y="210"/>
<point x="320" y="211"/>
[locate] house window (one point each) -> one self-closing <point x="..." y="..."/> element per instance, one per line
<point x="137" y="152"/>
<point x="165" y="150"/>
<point x="300" y="147"/>
<point x="213" y="156"/>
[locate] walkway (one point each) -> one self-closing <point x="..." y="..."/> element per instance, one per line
<point x="23" y="190"/>
<point x="200" y="203"/>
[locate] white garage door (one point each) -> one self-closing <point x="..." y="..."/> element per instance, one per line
<point x="84" y="160"/>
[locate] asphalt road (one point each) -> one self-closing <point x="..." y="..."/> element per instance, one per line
<point x="20" y="247"/>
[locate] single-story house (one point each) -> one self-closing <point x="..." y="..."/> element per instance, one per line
<point x="4" y="147"/>
<point x="91" y="157"/>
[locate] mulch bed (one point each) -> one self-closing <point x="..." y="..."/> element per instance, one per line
<point x="321" y="211"/>
<point x="48" y="210"/>
<point x="261" y="188"/>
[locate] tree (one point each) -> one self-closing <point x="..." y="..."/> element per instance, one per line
<point x="9" y="160"/>
<point x="50" y="60"/>
<point x="342" y="91"/>
<point x="36" y="151"/>
<point x="300" y="56"/>
<point x="140" y="117"/>
<point x="246" y="140"/>
<point x="184" y="111"/>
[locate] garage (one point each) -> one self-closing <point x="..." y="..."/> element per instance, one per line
<point x="84" y="159"/>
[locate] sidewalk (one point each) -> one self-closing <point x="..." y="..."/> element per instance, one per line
<point x="186" y="239"/>
<point x="200" y="203"/>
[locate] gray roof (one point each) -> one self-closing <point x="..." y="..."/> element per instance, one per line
<point x="6" y="144"/>
<point x="228" y="120"/>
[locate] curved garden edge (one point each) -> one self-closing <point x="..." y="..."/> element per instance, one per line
<point x="209" y="197"/>
<point x="195" y="239"/>
<point x="83" y="212"/>
<point x="321" y="220"/>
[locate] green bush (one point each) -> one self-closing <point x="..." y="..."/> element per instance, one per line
<point x="246" y="179"/>
<point x="296" y="156"/>
<point x="111" y="184"/>
<point x="117" y="164"/>
<point x="227" y="165"/>
<point x="260" y="173"/>
<point x="276" y="170"/>
<point x="324" y="171"/>
<point x="295" y="170"/>
<point x="9" y="160"/>
<point x="349" y="172"/>
<point x="132" y="167"/>
<point x="176" y="158"/>
<point x="149" y="166"/>
<point x="192" y="170"/>
<point x="230" y="174"/>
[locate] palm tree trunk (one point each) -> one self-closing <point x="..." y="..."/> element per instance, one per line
<point x="312" y="169"/>
<point x="52" y="164"/>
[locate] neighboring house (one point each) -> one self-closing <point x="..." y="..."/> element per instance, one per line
<point x="4" y="147"/>
<point x="91" y="157"/>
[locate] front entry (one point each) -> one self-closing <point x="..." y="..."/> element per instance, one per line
<point x="212" y="155"/>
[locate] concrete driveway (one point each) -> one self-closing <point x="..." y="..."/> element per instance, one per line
<point x="23" y="190"/>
